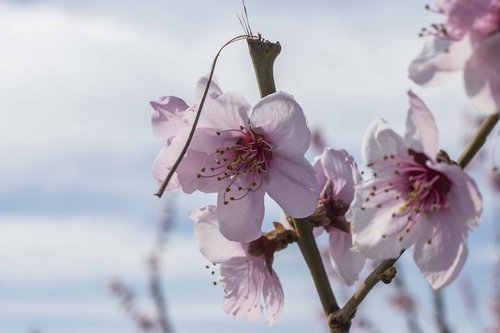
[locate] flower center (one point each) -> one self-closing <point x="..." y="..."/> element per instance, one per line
<point x="416" y="188"/>
<point x="243" y="163"/>
<point x="426" y="189"/>
<point x="335" y="209"/>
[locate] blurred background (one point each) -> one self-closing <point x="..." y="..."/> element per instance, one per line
<point x="82" y="238"/>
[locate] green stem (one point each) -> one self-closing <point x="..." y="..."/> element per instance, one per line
<point x="263" y="54"/>
<point x="478" y="141"/>
<point x="344" y="315"/>
<point x="312" y="257"/>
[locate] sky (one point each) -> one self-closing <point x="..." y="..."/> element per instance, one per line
<point x="76" y="196"/>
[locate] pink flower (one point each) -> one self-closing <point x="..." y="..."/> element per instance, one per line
<point x="242" y="153"/>
<point x="171" y="121"/>
<point x="469" y="40"/>
<point x="415" y="198"/>
<point x="248" y="279"/>
<point x="337" y="174"/>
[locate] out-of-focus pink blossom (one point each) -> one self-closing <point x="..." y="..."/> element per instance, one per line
<point x="242" y="153"/>
<point x="248" y="280"/>
<point x="337" y="174"/>
<point x="468" y="40"/>
<point x="415" y="198"/>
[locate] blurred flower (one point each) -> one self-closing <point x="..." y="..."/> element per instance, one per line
<point x="247" y="278"/>
<point x="337" y="174"/>
<point x="415" y="198"/>
<point x="241" y="153"/>
<point x="469" y="40"/>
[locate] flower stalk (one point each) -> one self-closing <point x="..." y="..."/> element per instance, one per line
<point x="263" y="54"/>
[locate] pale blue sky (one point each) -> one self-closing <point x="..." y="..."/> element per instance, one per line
<point x="76" y="203"/>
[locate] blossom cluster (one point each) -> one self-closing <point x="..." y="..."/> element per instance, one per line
<point x="414" y="195"/>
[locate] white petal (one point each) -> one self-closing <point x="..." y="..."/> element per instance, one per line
<point x="482" y="76"/>
<point x="442" y="260"/>
<point x="188" y="171"/>
<point x="214" y="90"/>
<point x="241" y="220"/>
<point x="226" y="112"/>
<point x="283" y="123"/>
<point x="243" y="279"/>
<point x="346" y="262"/>
<point x="162" y="166"/>
<point x="212" y="244"/>
<point x="376" y="232"/>
<point x="273" y="296"/>
<point x="421" y="129"/>
<point x="464" y="195"/>
<point x="439" y="59"/>
<point x="167" y="118"/>
<point x="380" y="141"/>
<point x="292" y="184"/>
<point x="341" y="170"/>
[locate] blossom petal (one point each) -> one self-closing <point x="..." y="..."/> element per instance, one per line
<point x="226" y="112"/>
<point x="464" y="195"/>
<point x="482" y="76"/>
<point x="214" y="90"/>
<point x="292" y="184"/>
<point x="345" y="262"/>
<point x="212" y="244"/>
<point x="441" y="252"/>
<point x="421" y="129"/>
<point x="283" y="123"/>
<point x="273" y="296"/>
<point x="167" y="118"/>
<point x="381" y="141"/>
<point x="241" y="220"/>
<point x="341" y="170"/>
<point x="188" y="171"/>
<point x="162" y="166"/>
<point x="378" y="231"/>
<point x="438" y="60"/>
<point x="243" y="279"/>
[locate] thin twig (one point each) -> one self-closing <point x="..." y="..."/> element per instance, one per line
<point x="478" y="140"/>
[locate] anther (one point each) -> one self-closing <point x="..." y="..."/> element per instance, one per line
<point x="225" y="202"/>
